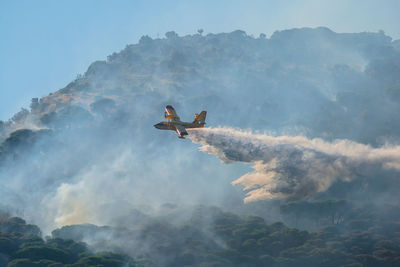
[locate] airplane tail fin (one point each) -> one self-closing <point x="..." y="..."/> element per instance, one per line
<point x="200" y="118"/>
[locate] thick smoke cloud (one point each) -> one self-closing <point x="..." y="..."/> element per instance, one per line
<point x="293" y="167"/>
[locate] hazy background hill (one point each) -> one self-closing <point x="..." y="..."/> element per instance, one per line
<point x="297" y="78"/>
<point x="89" y="153"/>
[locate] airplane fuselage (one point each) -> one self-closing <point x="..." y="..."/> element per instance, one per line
<point x="170" y="125"/>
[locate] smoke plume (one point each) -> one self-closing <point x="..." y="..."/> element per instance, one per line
<point x="293" y="167"/>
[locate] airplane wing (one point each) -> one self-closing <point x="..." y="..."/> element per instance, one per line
<point x="180" y="130"/>
<point x="170" y="113"/>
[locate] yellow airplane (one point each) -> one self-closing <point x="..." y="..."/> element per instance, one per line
<point x="174" y="123"/>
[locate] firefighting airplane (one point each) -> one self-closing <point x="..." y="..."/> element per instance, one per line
<point x="174" y="122"/>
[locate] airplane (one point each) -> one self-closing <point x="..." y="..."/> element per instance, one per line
<point x="174" y="123"/>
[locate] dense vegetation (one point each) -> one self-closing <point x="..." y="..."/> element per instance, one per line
<point x="210" y="237"/>
<point x="21" y="245"/>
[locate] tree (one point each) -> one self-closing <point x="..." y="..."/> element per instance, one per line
<point x="21" y="263"/>
<point x="145" y="40"/>
<point x="333" y="210"/>
<point x="20" y="116"/>
<point x="104" y="107"/>
<point x="2" y="126"/>
<point x="171" y="35"/>
<point x="34" y="104"/>
<point x="43" y="252"/>
<point x="71" y="116"/>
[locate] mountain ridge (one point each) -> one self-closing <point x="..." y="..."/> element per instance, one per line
<point x="167" y="67"/>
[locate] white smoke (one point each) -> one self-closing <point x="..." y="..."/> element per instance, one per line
<point x="292" y="167"/>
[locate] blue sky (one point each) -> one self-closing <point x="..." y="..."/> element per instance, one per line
<point x="45" y="44"/>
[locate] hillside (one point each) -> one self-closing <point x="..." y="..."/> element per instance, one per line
<point x="297" y="78"/>
<point x="88" y="153"/>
